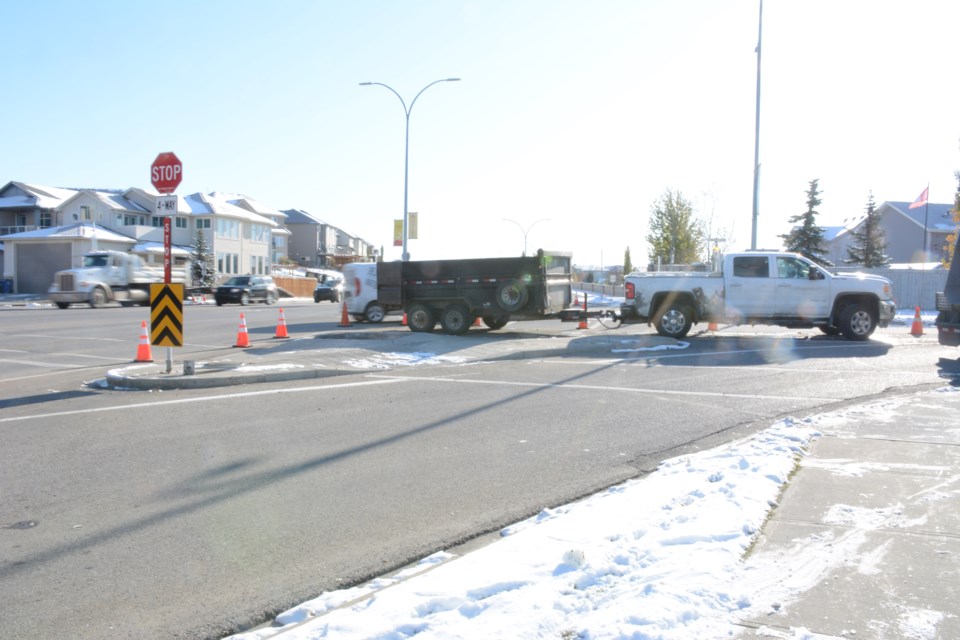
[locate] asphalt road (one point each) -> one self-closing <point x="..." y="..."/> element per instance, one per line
<point x="192" y="513"/>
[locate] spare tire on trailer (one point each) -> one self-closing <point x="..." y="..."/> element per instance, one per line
<point x="512" y="295"/>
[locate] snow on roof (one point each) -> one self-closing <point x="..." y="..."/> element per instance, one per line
<point x="46" y="197"/>
<point x="209" y="204"/>
<point x="244" y="202"/>
<point x="157" y="248"/>
<point x="17" y="202"/>
<point x="76" y="230"/>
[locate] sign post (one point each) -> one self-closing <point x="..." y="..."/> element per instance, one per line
<point x="166" y="172"/>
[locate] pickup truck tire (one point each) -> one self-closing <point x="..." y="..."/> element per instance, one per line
<point x="421" y="319"/>
<point x="829" y="330"/>
<point x="674" y="321"/>
<point x="455" y="319"/>
<point x="374" y="313"/>
<point x="98" y="297"/>
<point x="857" y="321"/>
<point x="512" y="295"/>
<point x="495" y="322"/>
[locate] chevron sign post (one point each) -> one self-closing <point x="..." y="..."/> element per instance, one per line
<point x="166" y="315"/>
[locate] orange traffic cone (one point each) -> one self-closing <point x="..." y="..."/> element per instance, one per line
<point x="344" y="318"/>
<point x="243" y="339"/>
<point x="143" y="349"/>
<point x="712" y="326"/>
<point x="281" y="327"/>
<point x="917" y="328"/>
<point x="583" y="322"/>
<point x="403" y="321"/>
<point x="576" y="299"/>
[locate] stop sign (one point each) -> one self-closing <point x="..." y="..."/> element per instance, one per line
<point x="166" y="172"/>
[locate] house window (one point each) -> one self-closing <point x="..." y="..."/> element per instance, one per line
<point x="46" y="219"/>
<point x="180" y="222"/>
<point x="203" y="223"/>
<point x="156" y="221"/>
<point x="130" y="220"/>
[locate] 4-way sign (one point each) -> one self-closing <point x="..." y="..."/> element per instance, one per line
<point x="166" y="172"/>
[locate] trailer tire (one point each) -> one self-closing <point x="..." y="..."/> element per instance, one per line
<point x="674" y="321"/>
<point x="374" y="313"/>
<point x="421" y="319"/>
<point x="512" y="295"/>
<point x="455" y="319"/>
<point x="857" y="321"/>
<point x="495" y="322"/>
<point x="98" y="297"/>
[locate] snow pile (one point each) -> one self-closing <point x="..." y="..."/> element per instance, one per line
<point x="659" y="557"/>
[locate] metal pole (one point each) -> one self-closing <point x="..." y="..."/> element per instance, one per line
<point x="405" y="256"/>
<point x="756" y="142"/>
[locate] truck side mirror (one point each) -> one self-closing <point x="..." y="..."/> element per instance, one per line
<point x="816" y="274"/>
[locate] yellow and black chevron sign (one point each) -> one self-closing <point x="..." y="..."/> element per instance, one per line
<point x="166" y="315"/>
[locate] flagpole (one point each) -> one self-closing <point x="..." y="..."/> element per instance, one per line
<point x="926" y="211"/>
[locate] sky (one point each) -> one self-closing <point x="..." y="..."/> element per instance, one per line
<point x="569" y="121"/>
<point x="676" y="540"/>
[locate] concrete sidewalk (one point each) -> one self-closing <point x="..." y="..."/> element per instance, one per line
<point x="872" y="521"/>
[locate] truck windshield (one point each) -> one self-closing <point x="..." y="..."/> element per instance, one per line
<point x="94" y="261"/>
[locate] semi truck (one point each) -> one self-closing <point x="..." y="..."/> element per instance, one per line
<point x="108" y="276"/>
<point x="761" y="288"/>
<point x="948" y="304"/>
<point x="454" y="293"/>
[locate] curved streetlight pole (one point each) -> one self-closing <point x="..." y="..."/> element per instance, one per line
<point x="406" y="149"/>
<point x="525" y="231"/>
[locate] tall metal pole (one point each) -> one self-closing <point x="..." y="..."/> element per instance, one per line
<point x="756" y="142"/>
<point x="406" y="152"/>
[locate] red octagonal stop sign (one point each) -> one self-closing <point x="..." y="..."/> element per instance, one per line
<point x="166" y="172"/>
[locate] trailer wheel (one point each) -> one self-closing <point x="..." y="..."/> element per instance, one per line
<point x="857" y="321"/>
<point x="512" y="295"/>
<point x="455" y="319"/>
<point x="98" y="297"/>
<point x="421" y="319"/>
<point x="674" y="321"/>
<point x="374" y="313"/>
<point x="496" y="322"/>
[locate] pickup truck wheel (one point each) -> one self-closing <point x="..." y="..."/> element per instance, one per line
<point x="421" y="319"/>
<point x="829" y="330"/>
<point x="857" y="322"/>
<point x="674" y="322"/>
<point x="512" y="295"/>
<point x="496" y="322"/>
<point x="374" y="313"/>
<point x="98" y="297"/>
<point x="455" y="319"/>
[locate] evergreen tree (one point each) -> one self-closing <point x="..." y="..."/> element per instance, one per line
<point x="675" y="236"/>
<point x="627" y="263"/>
<point x="869" y="244"/>
<point x="806" y="238"/>
<point x="201" y="262"/>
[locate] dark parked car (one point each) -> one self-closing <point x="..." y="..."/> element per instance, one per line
<point x="331" y="289"/>
<point x="247" y="289"/>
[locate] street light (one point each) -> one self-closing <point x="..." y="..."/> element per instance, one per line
<point x="406" y="149"/>
<point x="525" y="231"/>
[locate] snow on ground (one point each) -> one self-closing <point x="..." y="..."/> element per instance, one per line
<point x="676" y="542"/>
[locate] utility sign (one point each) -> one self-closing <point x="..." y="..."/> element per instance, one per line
<point x="166" y="315"/>
<point x="166" y="205"/>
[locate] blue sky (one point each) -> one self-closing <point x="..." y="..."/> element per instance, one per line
<point x="571" y="118"/>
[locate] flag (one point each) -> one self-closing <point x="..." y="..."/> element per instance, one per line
<point x="921" y="199"/>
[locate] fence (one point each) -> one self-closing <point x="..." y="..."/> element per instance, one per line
<point x="911" y="287"/>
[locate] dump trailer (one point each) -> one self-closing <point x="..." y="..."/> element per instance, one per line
<point x="457" y="292"/>
<point x="948" y="304"/>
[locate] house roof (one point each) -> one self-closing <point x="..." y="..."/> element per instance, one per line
<point x="115" y="200"/>
<point x="298" y="216"/>
<point x="78" y="229"/>
<point x="36" y="196"/>
<point x="936" y="216"/>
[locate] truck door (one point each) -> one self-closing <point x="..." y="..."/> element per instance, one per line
<point x="797" y="295"/>
<point x="750" y="290"/>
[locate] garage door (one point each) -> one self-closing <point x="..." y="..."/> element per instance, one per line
<point x="37" y="262"/>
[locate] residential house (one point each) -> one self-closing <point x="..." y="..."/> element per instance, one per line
<point x="906" y="231"/>
<point x="317" y="244"/>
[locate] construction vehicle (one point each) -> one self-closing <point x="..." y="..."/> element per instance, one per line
<point x="948" y="304"/>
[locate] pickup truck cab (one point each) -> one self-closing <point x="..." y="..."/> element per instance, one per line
<point x="771" y="288"/>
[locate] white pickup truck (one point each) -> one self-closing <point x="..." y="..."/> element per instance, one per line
<point x="783" y="289"/>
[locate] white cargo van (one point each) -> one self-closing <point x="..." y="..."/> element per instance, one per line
<point x="360" y="292"/>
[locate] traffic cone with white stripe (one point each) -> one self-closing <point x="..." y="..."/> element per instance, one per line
<point x="143" y="349"/>
<point x="281" y="327"/>
<point x="243" y="338"/>
<point x="712" y="326"/>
